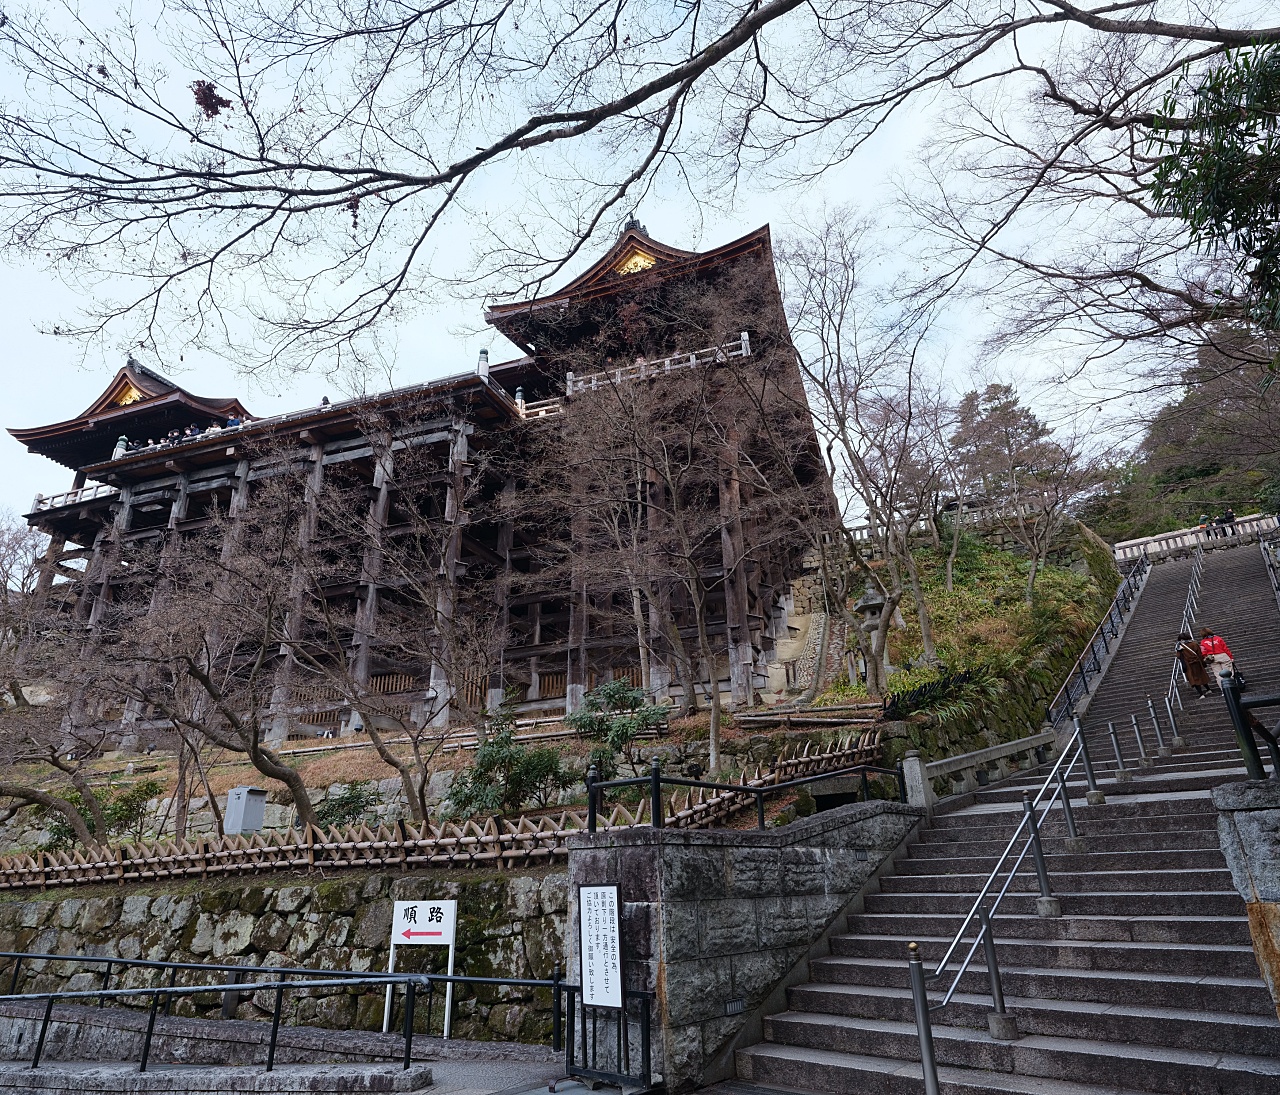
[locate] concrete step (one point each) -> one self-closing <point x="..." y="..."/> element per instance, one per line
<point x="1227" y="960"/>
<point x="1173" y="1027"/>
<point x="1164" y="859"/>
<point x="840" y="1072"/>
<point x="1160" y="841"/>
<point x="973" y="820"/>
<point x="1233" y="930"/>
<point x="1162" y="1069"/>
<point x="1066" y="882"/>
<point x="1212" y="992"/>
<point x="1073" y="904"/>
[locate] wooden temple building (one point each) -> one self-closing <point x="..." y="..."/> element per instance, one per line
<point x="152" y="462"/>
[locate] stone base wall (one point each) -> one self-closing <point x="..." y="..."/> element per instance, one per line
<point x="715" y="922"/>
<point x="508" y="925"/>
<point x="1249" y="831"/>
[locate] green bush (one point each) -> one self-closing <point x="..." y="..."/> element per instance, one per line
<point x="506" y="775"/>
<point x="348" y="806"/>
<point x="125" y="808"/>
<point x="615" y="714"/>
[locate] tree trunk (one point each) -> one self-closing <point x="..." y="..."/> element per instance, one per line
<point x="36" y="797"/>
<point x="412" y="792"/>
<point x="930" y="655"/>
<point x="956" y="527"/>
<point x="183" y="793"/>
<point x="642" y="638"/>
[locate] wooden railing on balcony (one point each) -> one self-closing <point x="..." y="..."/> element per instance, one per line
<point x="73" y="497"/>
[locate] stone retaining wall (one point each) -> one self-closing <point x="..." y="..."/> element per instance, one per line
<point x="508" y="925"/>
<point x="718" y="923"/>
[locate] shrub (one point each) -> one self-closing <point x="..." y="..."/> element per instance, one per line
<point x="348" y="806"/>
<point x="505" y="774"/>
<point x="616" y="714"/>
<point x="125" y="808"/>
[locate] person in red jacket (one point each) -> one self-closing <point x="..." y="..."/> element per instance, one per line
<point x="1217" y="655"/>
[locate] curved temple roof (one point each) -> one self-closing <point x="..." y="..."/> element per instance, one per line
<point x="136" y="404"/>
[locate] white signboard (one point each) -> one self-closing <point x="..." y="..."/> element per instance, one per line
<point x="415" y="923"/>
<point x="600" y="946"/>
<point x="429" y="923"/>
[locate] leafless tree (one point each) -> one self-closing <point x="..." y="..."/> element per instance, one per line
<point x="312" y="151"/>
<point x="1033" y="477"/>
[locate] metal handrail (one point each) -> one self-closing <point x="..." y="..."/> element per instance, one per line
<point x="655" y="781"/>
<point x="562" y="993"/>
<point x="1187" y="623"/>
<point x="1090" y="662"/>
<point x="1077" y="741"/>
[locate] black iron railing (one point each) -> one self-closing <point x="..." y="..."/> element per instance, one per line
<point x="1089" y="665"/>
<point x="576" y="1029"/>
<point x="655" y="781"/>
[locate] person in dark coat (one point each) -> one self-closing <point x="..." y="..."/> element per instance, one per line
<point x="1192" y="662"/>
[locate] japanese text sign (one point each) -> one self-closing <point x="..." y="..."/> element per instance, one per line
<point x="600" y="946"/>
<point x="424" y="922"/>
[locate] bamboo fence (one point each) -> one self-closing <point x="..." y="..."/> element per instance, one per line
<point x="496" y="841"/>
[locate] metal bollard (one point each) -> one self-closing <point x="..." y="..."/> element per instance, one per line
<point x="593" y="776"/>
<point x="1144" y="761"/>
<point x="928" y="1063"/>
<point x="1179" y="742"/>
<point x="1161" y="749"/>
<point x="655" y="793"/>
<point x="1000" y="1023"/>
<point x="1123" y="775"/>
<point x="1094" y="796"/>
<point x="1067" y="815"/>
<point x="275" y="1028"/>
<point x="1046" y="904"/>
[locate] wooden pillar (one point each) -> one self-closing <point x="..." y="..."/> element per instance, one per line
<point x="106" y="553"/>
<point x="506" y="538"/>
<point x="371" y="564"/>
<point x="456" y="517"/>
<point x="281" y="693"/>
<point x="579" y="607"/>
<point x="535" y="637"/>
<point x="741" y="654"/>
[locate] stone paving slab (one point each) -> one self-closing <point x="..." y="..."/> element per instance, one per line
<point x="58" y="1079"/>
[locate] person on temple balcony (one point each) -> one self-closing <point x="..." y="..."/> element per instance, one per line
<point x="1229" y="521"/>
<point x="233" y="422"/>
<point x="122" y="447"/>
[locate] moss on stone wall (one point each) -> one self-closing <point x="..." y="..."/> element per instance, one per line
<point x="509" y="925"/>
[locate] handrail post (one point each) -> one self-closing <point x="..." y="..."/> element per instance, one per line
<point x="13" y="984"/>
<point x="902" y="783"/>
<point x="759" y="809"/>
<point x="275" y="1027"/>
<point x="409" y="1001"/>
<point x="928" y="1062"/>
<point x="1162" y="750"/>
<point x="1047" y="905"/>
<point x="1000" y="1023"/>
<point x="1094" y="796"/>
<point x="655" y="793"/>
<point x="1179" y="742"/>
<point x="106" y="984"/>
<point x="1144" y="761"/>
<point x="1075" y="845"/>
<point x="151" y="1026"/>
<point x="44" y="1029"/>
<point x="556" y="994"/>
<point x="593" y="776"/>
<point x="1123" y="775"/>
<point x="1244" y="736"/>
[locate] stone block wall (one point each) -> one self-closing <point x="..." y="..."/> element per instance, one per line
<point x="508" y="925"/>
<point x="717" y="923"/>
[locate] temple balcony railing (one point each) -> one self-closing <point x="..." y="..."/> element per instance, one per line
<point x="1241" y="530"/>
<point x="44" y="503"/>
<point x="640" y="369"/>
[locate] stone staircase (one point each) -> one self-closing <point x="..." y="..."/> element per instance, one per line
<point x="1146" y="983"/>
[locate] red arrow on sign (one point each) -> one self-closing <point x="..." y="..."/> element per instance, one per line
<point x="409" y="935"/>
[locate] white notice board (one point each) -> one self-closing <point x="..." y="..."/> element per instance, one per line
<point x="600" y="946"/>
<point x="418" y="923"/>
<point x="429" y="923"/>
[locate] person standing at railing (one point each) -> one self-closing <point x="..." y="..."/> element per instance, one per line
<point x="1229" y="521"/>
<point x="1192" y="662"/>
<point x="1217" y="655"/>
